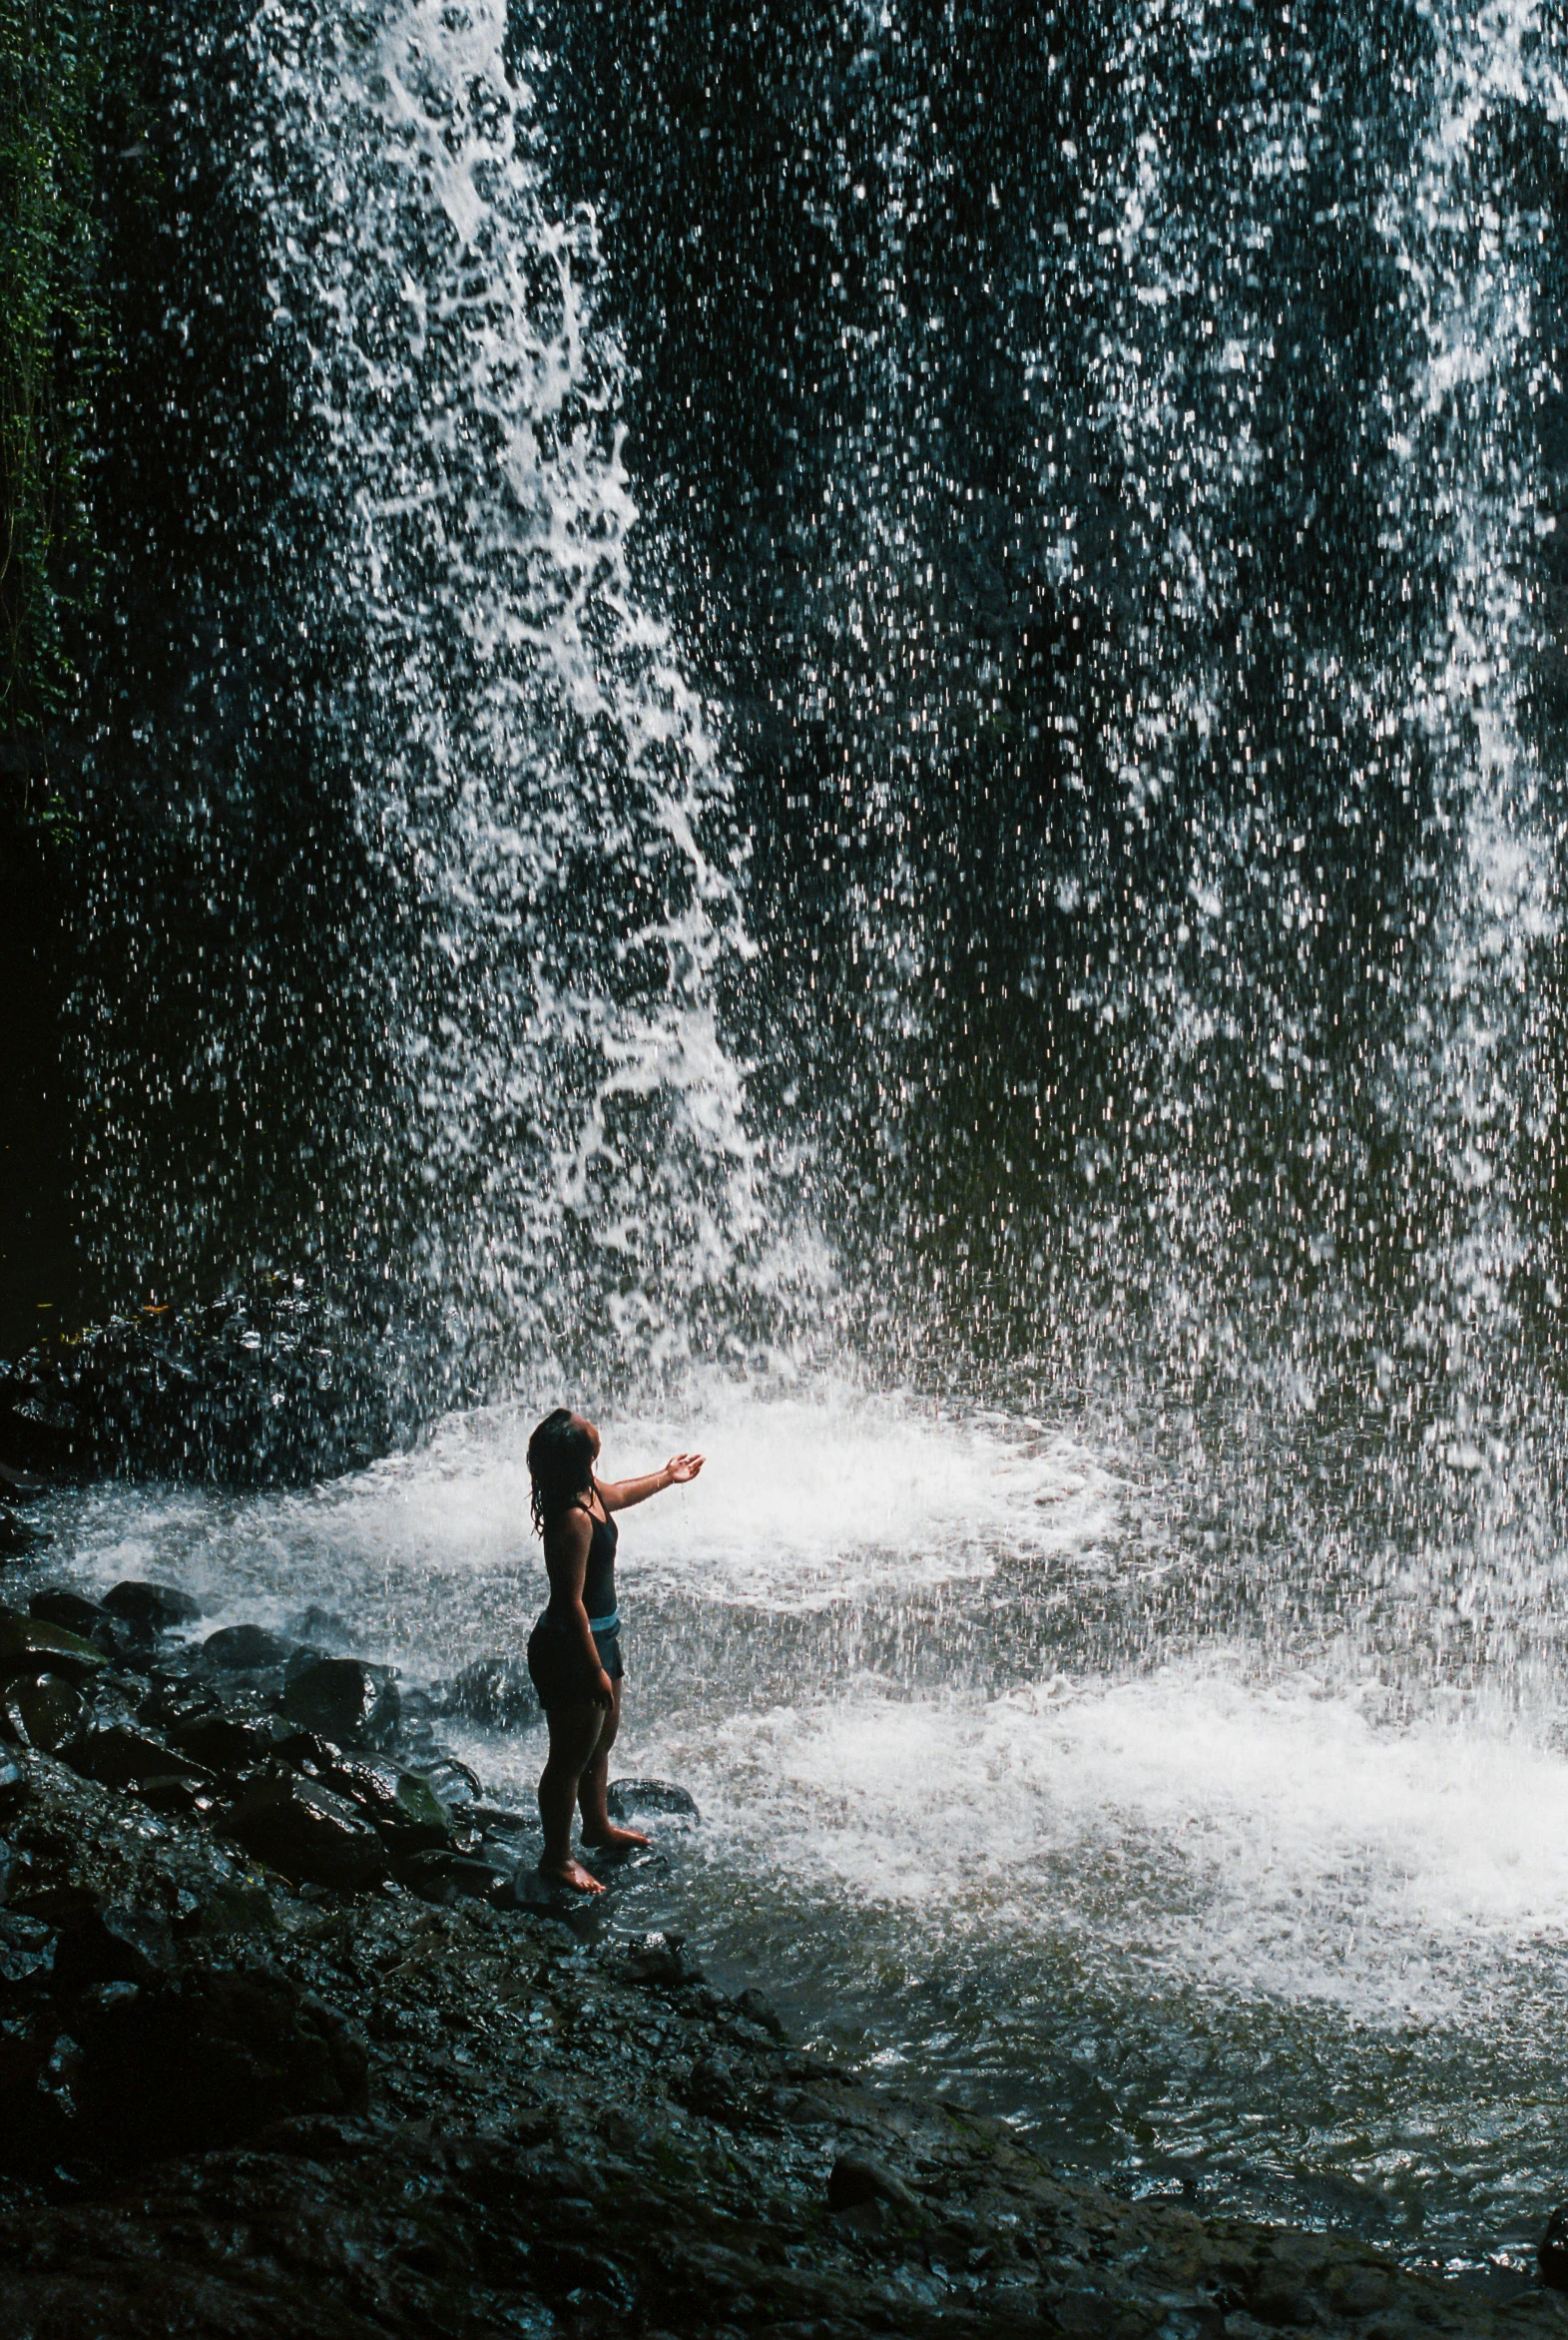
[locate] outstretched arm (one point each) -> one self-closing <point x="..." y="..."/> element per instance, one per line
<point x="621" y="1493"/>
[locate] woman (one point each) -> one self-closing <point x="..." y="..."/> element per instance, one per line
<point x="574" y="1652"/>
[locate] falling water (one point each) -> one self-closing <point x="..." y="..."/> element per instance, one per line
<point x="545" y="1118"/>
<point x="849" y="724"/>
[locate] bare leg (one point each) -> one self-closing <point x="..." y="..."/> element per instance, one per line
<point x="573" y="1733"/>
<point x="598" y="1827"/>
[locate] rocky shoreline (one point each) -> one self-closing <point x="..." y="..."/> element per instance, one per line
<point x="294" y="2041"/>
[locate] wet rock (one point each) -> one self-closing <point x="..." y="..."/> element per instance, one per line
<point x="343" y="1698"/>
<point x="401" y="1804"/>
<point x="151" y="1608"/>
<point x="457" y="1786"/>
<point x="422" y="1713"/>
<point x="413" y="1818"/>
<point x="630" y="1799"/>
<point x="505" y="1853"/>
<point x="308" y="1831"/>
<point x="1552" y="2252"/>
<point x="280" y="1386"/>
<point x="18" y="1538"/>
<point x="14" y="1784"/>
<point x="857" y="2177"/>
<point x="27" y="1950"/>
<point x="760" y="2011"/>
<point x="525" y="1889"/>
<point x="43" y="1711"/>
<point x="174" y="1698"/>
<point x="496" y="1816"/>
<point x="221" y="1741"/>
<point x="244" y="1649"/>
<point x="495" y="1692"/>
<point x="659" y="1962"/>
<point x="209" y="2058"/>
<point x="445" y="1877"/>
<point x="114" y="1940"/>
<point x="30" y="1646"/>
<point x="38" y="2114"/>
<point x="126" y="1646"/>
<point x="58" y="1604"/>
<point x="119" y="1757"/>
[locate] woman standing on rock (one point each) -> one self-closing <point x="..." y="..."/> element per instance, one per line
<point x="574" y="1652"/>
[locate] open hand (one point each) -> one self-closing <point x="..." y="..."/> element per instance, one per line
<point x="682" y="1468"/>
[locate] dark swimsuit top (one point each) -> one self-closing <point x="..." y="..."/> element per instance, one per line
<point x="599" y="1575"/>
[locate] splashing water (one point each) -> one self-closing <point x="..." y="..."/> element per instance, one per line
<point x="1117" y="1640"/>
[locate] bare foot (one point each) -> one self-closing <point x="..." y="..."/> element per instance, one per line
<point x="572" y="1873"/>
<point x="611" y="1839"/>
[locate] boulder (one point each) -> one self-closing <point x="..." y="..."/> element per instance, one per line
<point x="630" y="1799"/>
<point x="14" y="1785"/>
<point x="119" y="1757"/>
<point x="445" y="1877"/>
<point x="342" y="1699"/>
<point x="151" y="1608"/>
<point x="17" y="1538"/>
<point x="126" y="1646"/>
<point x="403" y="1806"/>
<point x="27" y="1950"/>
<point x="221" y="1741"/>
<point x="113" y="1941"/>
<point x="457" y="1786"/>
<point x="244" y="1649"/>
<point x="57" y="1604"/>
<point x="494" y="1691"/>
<point x="761" y="2011"/>
<point x="199" y="2063"/>
<point x="308" y="1831"/>
<point x="174" y="1699"/>
<point x="42" y="1711"/>
<point x="30" y="1646"/>
<point x="857" y="2178"/>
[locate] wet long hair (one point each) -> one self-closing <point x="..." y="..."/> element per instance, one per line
<point x="560" y="1464"/>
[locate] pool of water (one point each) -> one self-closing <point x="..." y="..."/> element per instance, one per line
<point x="1199" y="1854"/>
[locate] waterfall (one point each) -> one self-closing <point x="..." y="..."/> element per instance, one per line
<point x="1066" y="802"/>
<point x="536" y="1125"/>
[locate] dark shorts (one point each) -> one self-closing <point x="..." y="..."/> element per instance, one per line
<point x="559" y="1669"/>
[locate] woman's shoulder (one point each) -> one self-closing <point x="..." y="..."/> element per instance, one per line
<point x="568" y="1530"/>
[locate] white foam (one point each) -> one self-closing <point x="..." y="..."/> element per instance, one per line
<point x="810" y="1501"/>
<point x="805" y="1502"/>
<point x="1260" y="1839"/>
